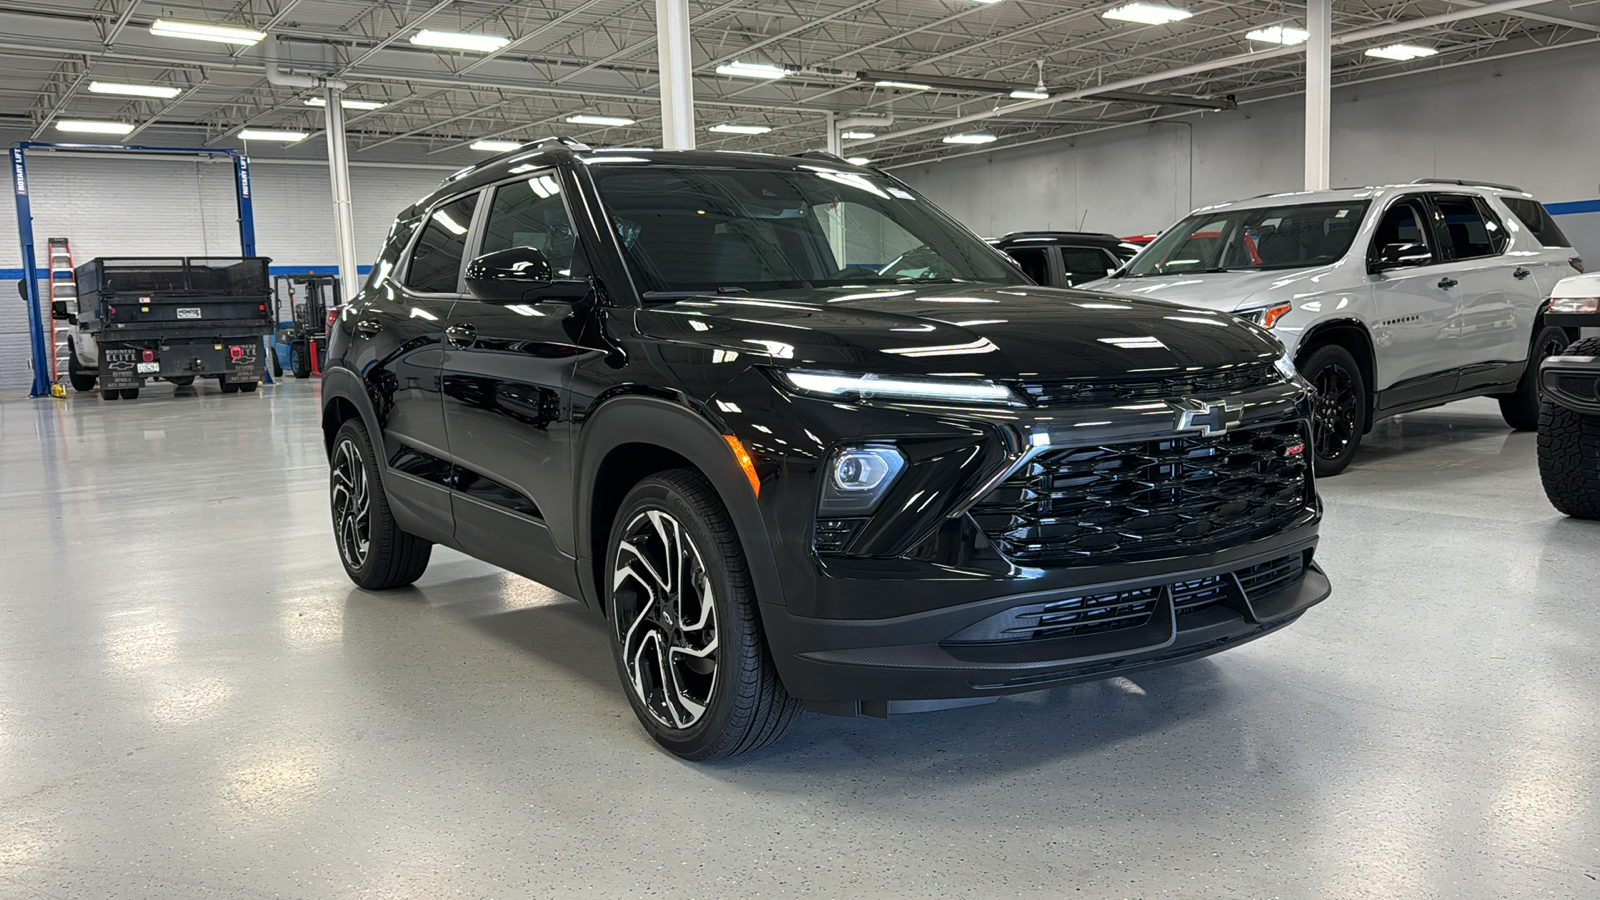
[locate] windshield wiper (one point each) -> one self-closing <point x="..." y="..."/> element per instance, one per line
<point x="934" y="281"/>
<point x="684" y="295"/>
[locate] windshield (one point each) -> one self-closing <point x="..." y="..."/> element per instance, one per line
<point x="749" y="230"/>
<point x="1273" y="237"/>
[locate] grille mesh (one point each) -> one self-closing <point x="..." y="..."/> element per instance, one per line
<point x="1584" y="387"/>
<point x="1073" y="391"/>
<point x="1172" y="497"/>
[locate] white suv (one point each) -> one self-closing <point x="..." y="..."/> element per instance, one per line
<point x="1391" y="299"/>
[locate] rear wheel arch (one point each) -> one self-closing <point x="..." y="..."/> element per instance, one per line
<point x="1354" y="338"/>
<point x="343" y="400"/>
<point x="630" y="438"/>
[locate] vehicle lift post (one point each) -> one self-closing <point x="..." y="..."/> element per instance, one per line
<point x="42" y="356"/>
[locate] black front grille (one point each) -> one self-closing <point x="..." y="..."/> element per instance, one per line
<point x="1098" y="613"/>
<point x="1584" y="387"/>
<point x="1073" y="391"/>
<point x="1171" y="497"/>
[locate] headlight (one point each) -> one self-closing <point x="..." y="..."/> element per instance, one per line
<point x="1575" y="305"/>
<point x="857" y="478"/>
<point x="1285" y="366"/>
<point x="887" y="387"/>
<point x="1268" y="316"/>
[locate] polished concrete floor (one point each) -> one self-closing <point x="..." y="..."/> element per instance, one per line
<point x="194" y="702"/>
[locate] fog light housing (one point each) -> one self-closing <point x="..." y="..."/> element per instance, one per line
<point x="857" y="478"/>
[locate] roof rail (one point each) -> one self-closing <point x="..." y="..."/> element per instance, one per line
<point x="821" y="154"/>
<point x="537" y="144"/>
<point x="1465" y="183"/>
<point x="1061" y="234"/>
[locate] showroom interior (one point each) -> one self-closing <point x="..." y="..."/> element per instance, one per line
<point x="796" y="515"/>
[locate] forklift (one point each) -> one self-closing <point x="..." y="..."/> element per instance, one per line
<point x="303" y="303"/>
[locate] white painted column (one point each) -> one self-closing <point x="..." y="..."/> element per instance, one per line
<point x="344" y="220"/>
<point x="677" y="80"/>
<point x="835" y="143"/>
<point x="1319" y="88"/>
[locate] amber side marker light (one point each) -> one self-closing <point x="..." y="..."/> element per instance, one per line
<point x="745" y="463"/>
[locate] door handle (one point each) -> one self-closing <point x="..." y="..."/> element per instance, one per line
<point x="461" y="335"/>
<point x="1520" y="274"/>
<point x="1447" y="283"/>
<point x="368" y="327"/>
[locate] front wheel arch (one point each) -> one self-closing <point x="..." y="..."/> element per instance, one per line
<point x="1357" y="341"/>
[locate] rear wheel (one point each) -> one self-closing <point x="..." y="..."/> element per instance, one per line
<point x="249" y="387"/>
<point x="82" y="382"/>
<point x="227" y="387"/>
<point x="130" y="393"/>
<point x="1520" y="408"/>
<point x="376" y="554"/>
<point x="1340" y="409"/>
<point x="1569" y="453"/>
<point x="684" y="633"/>
<point x="300" y="359"/>
<point x="110" y="395"/>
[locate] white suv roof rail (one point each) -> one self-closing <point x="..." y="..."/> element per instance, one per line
<point x="1465" y="183"/>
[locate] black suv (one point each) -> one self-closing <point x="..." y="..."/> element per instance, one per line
<point x="805" y="442"/>
<point x="1066" y="258"/>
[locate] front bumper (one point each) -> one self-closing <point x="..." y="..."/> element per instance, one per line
<point x="1573" y="382"/>
<point x="921" y="661"/>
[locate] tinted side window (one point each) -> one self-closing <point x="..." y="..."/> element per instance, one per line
<point x="436" y="262"/>
<point x="1084" y="264"/>
<point x="1474" y="231"/>
<point x="1402" y="223"/>
<point x="399" y="236"/>
<point x="1533" y="214"/>
<point x="1033" y="263"/>
<point x="531" y="214"/>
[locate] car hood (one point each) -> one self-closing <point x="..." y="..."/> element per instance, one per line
<point x="961" y="330"/>
<point x="1225" y="291"/>
<point x="1578" y="286"/>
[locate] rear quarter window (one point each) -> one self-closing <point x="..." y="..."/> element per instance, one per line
<point x="1538" y="220"/>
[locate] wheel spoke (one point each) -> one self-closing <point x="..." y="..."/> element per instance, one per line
<point x="351" y="499"/>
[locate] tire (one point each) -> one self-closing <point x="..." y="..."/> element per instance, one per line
<point x="181" y="380"/>
<point x="110" y="395"/>
<point x="82" y="382"/>
<point x="299" y="360"/>
<point x="1340" y="413"/>
<point x="227" y="388"/>
<point x="1520" y="408"/>
<point x="130" y="393"/>
<point x="249" y="387"/>
<point x="277" y="366"/>
<point x="1569" y="453"/>
<point x="387" y="558"/>
<point x="676" y="520"/>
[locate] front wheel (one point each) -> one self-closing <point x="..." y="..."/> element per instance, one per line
<point x="1339" y="416"/>
<point x="684" y="633"/>
<point x="1520" y="408"/>
<point x="1569" y="453"/>
<point x="376" y="554"/>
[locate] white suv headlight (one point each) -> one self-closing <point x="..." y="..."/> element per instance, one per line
<point x="1267" y="316"/>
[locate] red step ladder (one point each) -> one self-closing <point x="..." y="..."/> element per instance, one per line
<point x="63" y="286"/>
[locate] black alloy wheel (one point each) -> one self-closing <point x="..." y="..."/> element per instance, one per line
<point x="376" y="554"/>
<point x="351" y="498"/>
<point x="1338" y="410"/>
<point x="1520" y="408"/>
<point x="684" y="633"/>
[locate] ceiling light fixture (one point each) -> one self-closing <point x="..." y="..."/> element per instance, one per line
<point x="345" y="103"/>
<point x="978" y="138"/>
<point x="859" y="161"/>
<point x="1147" y="14"/>
<point x="489" y="146"/>
<point x="1037" y="93"/>
<point x="740" y="129"/>
<point x="1279" y="34"/>
<point x="86" y="126"/>
<point x="606" y="121"/>
<point x="271" y="134"/>
<point x="200" y="31"/>
<point x="858" y="135"/>
<point x="451" y="40"/>
<point x="905" y="85"/>
<point x="134" y="90"/>
<point x="1402" y="52"/>
<point x="762" y="71"/>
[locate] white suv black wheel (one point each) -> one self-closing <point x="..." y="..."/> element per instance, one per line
<point x="684" y="633"/>
<point x="1339" y="408"/>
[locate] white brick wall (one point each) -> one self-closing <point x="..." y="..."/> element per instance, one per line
<point x="133" y="206"/>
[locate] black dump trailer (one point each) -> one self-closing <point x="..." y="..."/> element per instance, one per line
<point x="176" y="319"/>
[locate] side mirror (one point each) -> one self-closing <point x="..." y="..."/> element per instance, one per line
<point x="1399" y="256"/>
<point x="509" y="276"/>
<point x="60" y="310"/>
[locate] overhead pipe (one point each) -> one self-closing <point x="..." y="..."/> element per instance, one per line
<point x="1349" y="37"/>
<point x="276" y="76"/>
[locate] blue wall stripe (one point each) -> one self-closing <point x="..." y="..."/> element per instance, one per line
<point x="1573" y="207"/>
<point x="15" y="274"/>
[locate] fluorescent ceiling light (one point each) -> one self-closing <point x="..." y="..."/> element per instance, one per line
<point x="1279" y="34"/>
<point x="346" y="103"/>
<point x="607" y="121"/>
<point x="858" y="135"/>
<point x="1030" y="94"/>
<point x="1147" y="14"/>
<point x="271" y="134"/>
<point x="497" y="146"/>
<point x="1401" y="52"/>
<point x="979" y="138"/>
<point x="199" y="31"/>
<point x="905" y="85"/>
<point x="859" y="161"/>
<point x="450" y="40"/>
<point x="134" y="90"/>
<point x="90" y="127"/>
<point x="752" y="70"/>
<point x="740" y="129"/>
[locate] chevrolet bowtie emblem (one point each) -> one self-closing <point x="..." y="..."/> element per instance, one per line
<point x="1206" y="417"/>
